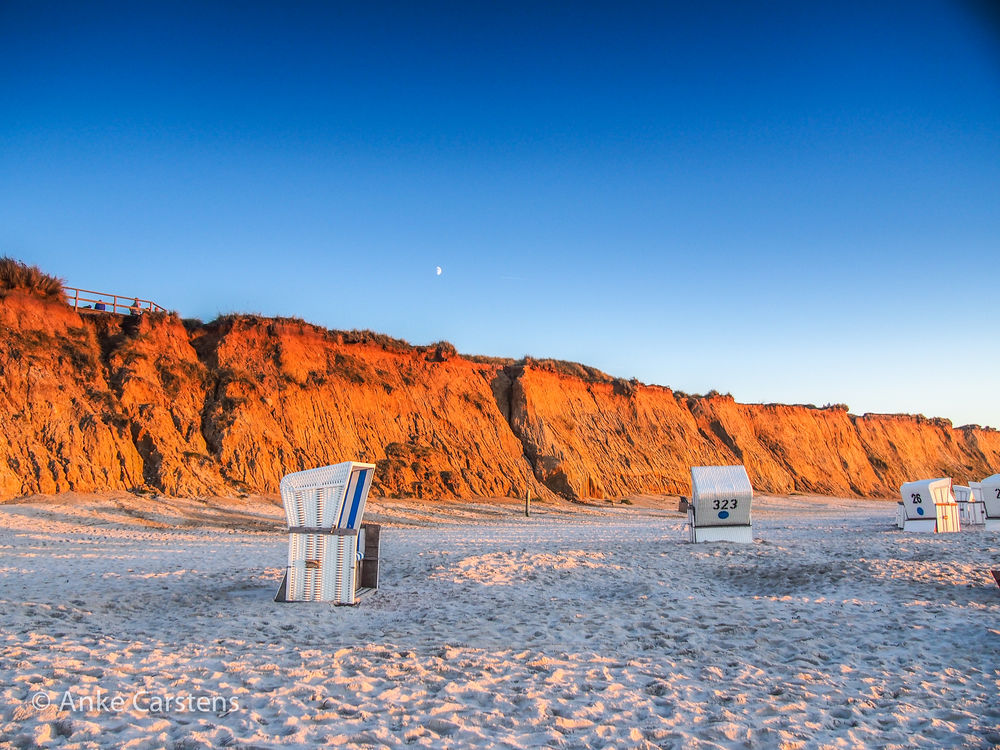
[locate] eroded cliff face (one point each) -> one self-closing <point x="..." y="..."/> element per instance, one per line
<point x="96" y="402"/>
<point x="611" y="439"/>
<point x="288" y="396"/>
<point x="101" y="402"/>
<point x="62" y="427"/>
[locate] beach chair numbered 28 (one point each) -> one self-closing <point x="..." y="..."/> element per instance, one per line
<point x="928" y="505"/>
<point x="332" y="555"/>
<point x="990" y="489"/>
<point x="719" y="510"/>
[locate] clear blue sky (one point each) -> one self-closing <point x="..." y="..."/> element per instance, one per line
<point x="788" y="201"/>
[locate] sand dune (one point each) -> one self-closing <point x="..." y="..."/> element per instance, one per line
<point x="578" y="627"/>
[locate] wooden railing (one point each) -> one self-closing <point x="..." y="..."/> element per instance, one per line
<point x="86" y="300"/>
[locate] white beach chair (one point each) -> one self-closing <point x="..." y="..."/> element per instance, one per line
<point x="332" y="555"/>
<point x="929" y="506"/>
<point x="990" y="489"/>
<point x="719" y="509"/>
<point x="970" y="511"/>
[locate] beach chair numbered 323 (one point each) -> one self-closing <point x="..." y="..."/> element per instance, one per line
<point x="332" y="556"/>
<point x="928" y="505"/>
<point x="719" y="509"/>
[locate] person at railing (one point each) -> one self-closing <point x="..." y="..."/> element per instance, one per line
<point x="135" y="309"/>
<point x="100" y="305"/>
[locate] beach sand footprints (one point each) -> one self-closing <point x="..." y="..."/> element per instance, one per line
<point x="778" y="577"/>
<point x="521" y="566"/>
<point x="622" y="634"/>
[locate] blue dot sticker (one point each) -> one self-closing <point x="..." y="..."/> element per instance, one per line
<point x="723" y="514"/>
<point x="920" y="511"/>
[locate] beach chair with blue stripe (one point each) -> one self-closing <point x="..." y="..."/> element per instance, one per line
<point x="332" y="555"/>
<point x="719" y="509"/>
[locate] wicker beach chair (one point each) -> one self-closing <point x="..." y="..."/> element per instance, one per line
<point x="929" y="506"/>
<point x="719" y="509"/>
<point x="332" y="555"/>
<point x="971" y="512"/>
<point x="990" y="489"/>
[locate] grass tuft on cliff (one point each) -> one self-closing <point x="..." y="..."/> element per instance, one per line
<point x="17" y="275"/>
<point x="585" y="373"/>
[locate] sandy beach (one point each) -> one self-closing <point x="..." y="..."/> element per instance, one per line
<point x="149" y="623"/>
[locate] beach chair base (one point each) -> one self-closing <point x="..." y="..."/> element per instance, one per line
<point x="282" y="596"/>
<point x="947" y="518"/>
<point x="338" y="577"/>
<point x="923" y="525"/>
<point x="739" y="534"/>
<point x="971" y="513"/>
<point x="992" y="524"/>
<point x="900" y="516"/>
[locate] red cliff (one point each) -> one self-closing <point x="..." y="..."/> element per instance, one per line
<point x="98" y="402"/>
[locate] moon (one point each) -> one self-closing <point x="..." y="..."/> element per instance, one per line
<point x="438" y="270"/>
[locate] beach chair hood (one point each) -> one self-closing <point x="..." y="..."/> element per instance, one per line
<point x="721" y="495"/>
<point x="920" y="497"/>
<point x="330" y="497"/>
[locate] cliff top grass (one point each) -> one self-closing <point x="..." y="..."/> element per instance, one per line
<point x="15" y="275"/>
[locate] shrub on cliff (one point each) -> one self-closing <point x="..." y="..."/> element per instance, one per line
<point x="483" y="359"/>
<point x="623" y="387"/>
<point x="440" y="351"/>
<point x="17" y="275"/>
<point x="585" y="373"/>
<point x="388" y="343"/>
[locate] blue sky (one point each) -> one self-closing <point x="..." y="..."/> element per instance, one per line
<point x="792" y="202"/>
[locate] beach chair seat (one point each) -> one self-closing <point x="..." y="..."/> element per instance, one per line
<point x="929" y="506"/>
<point x="990" y="494"/>
<point x="332" y="555"/>
<point x="719" y="508"/>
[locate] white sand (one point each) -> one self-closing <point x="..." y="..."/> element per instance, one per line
<point x="574" y="628"/>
